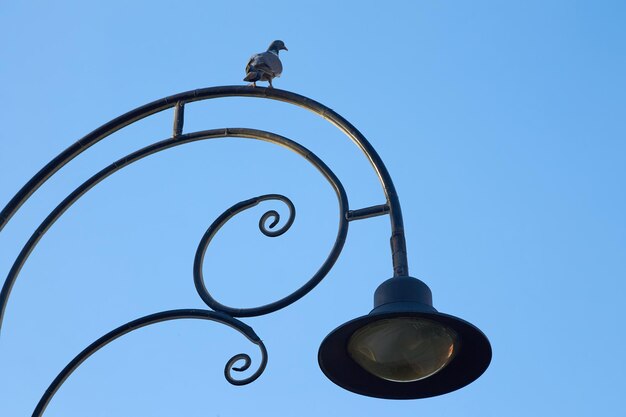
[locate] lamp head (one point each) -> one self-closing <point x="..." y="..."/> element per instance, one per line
<point x="404" y="348"/>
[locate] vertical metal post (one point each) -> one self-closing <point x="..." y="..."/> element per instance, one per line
<point x="179" y="118"/>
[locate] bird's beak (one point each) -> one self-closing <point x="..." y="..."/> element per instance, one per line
<point x="285" y="48"/>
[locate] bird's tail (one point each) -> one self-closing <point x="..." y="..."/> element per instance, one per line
<point x="252" y="76"/>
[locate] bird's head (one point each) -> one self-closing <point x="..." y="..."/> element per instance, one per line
<point x="277" y="46"/>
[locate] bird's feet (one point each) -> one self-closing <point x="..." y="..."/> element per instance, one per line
<point x="252" y="84"/>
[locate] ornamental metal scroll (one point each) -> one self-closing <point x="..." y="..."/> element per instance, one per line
<point x="223" y="314"/>
<point x="157" y="318"/>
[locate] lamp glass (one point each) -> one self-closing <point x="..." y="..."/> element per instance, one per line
<point x="403" y="349"/>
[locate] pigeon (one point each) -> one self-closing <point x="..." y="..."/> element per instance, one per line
<point x="266" y="65"/>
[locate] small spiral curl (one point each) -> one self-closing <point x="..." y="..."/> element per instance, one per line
<point x="275" y="217"/>
<point x="230" y="367"/>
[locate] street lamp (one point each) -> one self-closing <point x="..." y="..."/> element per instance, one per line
<point x="402" y="349"/>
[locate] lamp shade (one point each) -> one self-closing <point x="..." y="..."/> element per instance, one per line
<point x="404" y="349"/>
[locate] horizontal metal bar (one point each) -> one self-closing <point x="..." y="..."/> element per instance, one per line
<point x="367" y="212"/>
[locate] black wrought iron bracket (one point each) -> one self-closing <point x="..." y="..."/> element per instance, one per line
<point x="219" y="313"/>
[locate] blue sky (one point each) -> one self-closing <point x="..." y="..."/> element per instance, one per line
<point x="501" y="123"/>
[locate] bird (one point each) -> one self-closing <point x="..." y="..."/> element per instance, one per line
<point x="265" y="65"/>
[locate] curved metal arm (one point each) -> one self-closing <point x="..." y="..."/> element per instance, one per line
<point x="224" y="313"/>
<point x="157" y="318"/>
<point x="180" y="140"/>
<point x="398" y="243"/>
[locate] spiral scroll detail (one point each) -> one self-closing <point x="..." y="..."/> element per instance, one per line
<point x="153" y="319"/>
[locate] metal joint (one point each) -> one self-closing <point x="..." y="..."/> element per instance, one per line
<point x="179" y="118"/>
<point x="367" y="212"/>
